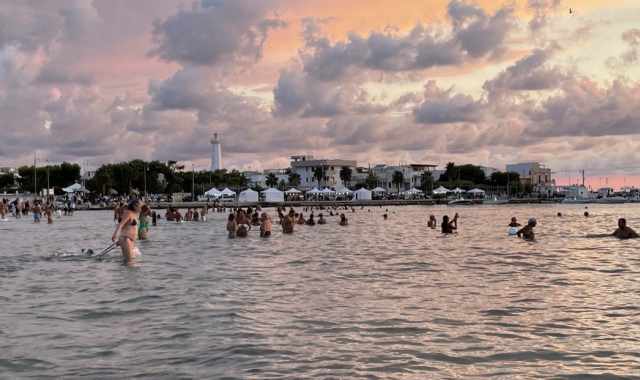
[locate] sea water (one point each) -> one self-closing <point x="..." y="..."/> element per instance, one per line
<point x="377" y="299"/>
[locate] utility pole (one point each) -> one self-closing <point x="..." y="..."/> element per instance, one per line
<point x="48" y="178"/>
<point x="145" y="180"/>
<point x="193" y="183"/>
<point x="582" y="177"/>
<point x="35" y="174"/>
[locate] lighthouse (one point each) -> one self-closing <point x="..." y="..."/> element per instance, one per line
<point x="216" y="153"/>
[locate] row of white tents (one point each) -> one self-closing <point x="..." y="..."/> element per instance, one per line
<point x="275" y="195"/>
<point x="444" y="191"/>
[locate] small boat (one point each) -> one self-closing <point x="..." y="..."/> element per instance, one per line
<point x="577" y="201"/>
<point x="460" y="202"/>
<point x="611" y="200"/>
<point x="496" y="201"/>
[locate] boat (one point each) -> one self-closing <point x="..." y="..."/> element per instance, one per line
<point x="495" y="201"/>
<point x="461" y="202"/>
<point x="611" y="200"/>
<point x="577" y="201"/>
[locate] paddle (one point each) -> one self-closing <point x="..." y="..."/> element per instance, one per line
<point x="107" y="250"/>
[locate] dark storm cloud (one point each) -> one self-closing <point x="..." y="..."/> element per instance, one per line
<point x="214" y="31"/>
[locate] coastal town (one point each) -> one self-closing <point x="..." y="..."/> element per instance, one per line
<point x="308" y="178"/>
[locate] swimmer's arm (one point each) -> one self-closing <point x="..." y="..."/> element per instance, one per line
<point x="595" y="236"/>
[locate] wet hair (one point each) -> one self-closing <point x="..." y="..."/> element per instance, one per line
<point x="134" y="204"/>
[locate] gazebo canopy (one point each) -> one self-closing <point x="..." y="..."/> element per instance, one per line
<point x="327" y="190"/>
<point x="476" y="191"/>
<point x="273" y="195"/>
<point x="441" y="190"/>
<point x="75" y="188"/>
<point x="458" y="190"/>
<point x="378" y="190"/>
<point x="413" y="190"/>
<point x="362" y="194"/>
<point x="248" y="195"/>
<point x="213" y="192"/>
<point x="314" y="191"/>
<point x="228" y="192"/>
<point x="343" y="190"/>
<point x="293" y="190"/>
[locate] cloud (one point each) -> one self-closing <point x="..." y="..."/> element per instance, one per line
<point x="528" y="74"/>
<point x="473" y="34"/>
<point x="541" y="9"/>
<point x="444" y="107"/>
<point x="215" y="31"/>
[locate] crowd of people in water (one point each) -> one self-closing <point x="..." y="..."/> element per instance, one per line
<point x="133" y="219"/>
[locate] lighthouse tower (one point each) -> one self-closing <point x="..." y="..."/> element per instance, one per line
<point x="216" y="153"/>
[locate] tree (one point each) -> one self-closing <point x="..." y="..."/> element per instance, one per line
<point x="318" y="173"/>
<point x="397" y="179"/>
<point x="345" y="174"/>
<point x="272" y="180"/>
<point x="7" y="181"/>
<point x="371" y="181"/>
<point x="294" y="179"/>
<point x="449" y="174"/>
<point x="426" y="180"/>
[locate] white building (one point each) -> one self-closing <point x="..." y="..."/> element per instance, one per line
<point x="411" y="174"/>
<point x="574" y="191"/>
<point x="320" y="172"/>
<point x="534" y="174"/>
<point x="216" y="153"/>
<point x="260" y="179"/>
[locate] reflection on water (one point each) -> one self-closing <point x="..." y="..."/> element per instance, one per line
<point x="377" y="299"/>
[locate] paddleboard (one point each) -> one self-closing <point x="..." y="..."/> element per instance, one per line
<point x="512" y="231"/>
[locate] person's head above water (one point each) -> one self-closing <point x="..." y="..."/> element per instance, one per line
<point x="514" y="220"/>
<point x="532" y="222"/>
<point x="622" y="223"/>
<point x="135" y="205"/>
<point x="232" y="217"/>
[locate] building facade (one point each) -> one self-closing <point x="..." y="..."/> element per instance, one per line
<point x="534" y="174"/>
<point x="320" y="172"/>
<point x="411" y="174"/>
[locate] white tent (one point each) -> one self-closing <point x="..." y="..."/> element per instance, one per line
<point x="213" y="192"/>
<point x="248" y="195"/>
<point x="476" y="191"/>
<point x="343" y="190"/>
<point x="362" y="194"/>
<point x="378" y="190"/>
<point x="293" y="190"/>
<point x="314" y="191"/>
<point x="458" y="190"/>
<point x="327" y="191"/>
<point x="227" y="192"/>
<point x="441" y="190"/>
<point x="76" y="187"/>
<point x="273" y="195"/>
<point x="414" y="191"/>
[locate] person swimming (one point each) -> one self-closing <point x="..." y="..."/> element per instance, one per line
<point x="288" y="222"/>
<point x="321" y="219"/>
<point x="433" y="222"/>
<point x="527" y="232"/>
<point x="623" y="231"/>
<point x="126" y="231"/>
<point x="301" y="219"/>
<point x="143" y="227"/>
<point x="231" y="226"/>
<point x="448" y="227"/>
<point x="311" y="221"/>
<point x="514" y="222"/>
<point x="265" y="225"/>
<point x="243" y="224"/>
<point x="343" y="220"/>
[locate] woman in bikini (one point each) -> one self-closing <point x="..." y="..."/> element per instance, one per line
<point x="127" y="230"/>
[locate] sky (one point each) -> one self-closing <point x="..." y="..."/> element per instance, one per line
<point x="379" y="81"/>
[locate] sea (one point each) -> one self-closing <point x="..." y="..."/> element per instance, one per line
<point x="377" y="299"/>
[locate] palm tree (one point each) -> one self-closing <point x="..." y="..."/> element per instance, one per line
<point x="294" y="179"/>
<point x="427" y="181"/>
<point x="345" y="174"/>
<point x="272" y="180"/>
<point x="318" y="173"/>
<point x="397" y="179"/>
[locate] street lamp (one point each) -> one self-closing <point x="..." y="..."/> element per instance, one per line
<point x="193" y="182"/>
